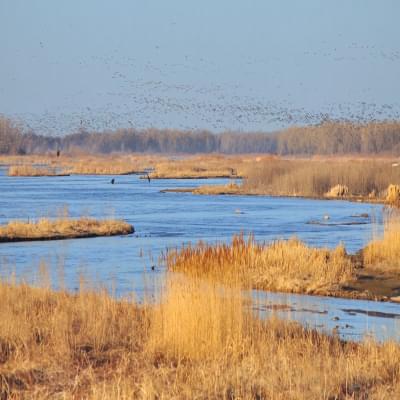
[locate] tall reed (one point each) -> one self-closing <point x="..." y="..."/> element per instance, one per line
<point x="384" y="253"/>
<point x="283" y="265"/>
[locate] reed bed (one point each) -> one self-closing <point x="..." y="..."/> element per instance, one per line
<point x="80" y="164"/>
<point x="199" y="341"/>
<point x="384" y="253"/>
<point x="315" y="178"/>
<point x="230" y="188"/>
<point x="109" y="165"/>
<point x="29" y="170"/>
<point x="202" y="166"/>
<point x="62" y="228"/>
<point x="284" y="265"/>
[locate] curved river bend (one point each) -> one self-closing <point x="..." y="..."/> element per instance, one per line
<point x="165" y="220"/>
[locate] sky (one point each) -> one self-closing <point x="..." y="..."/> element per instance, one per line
<point x="217" y="65"/>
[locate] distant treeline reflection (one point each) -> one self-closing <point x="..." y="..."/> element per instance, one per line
<point x="326" y="138"/>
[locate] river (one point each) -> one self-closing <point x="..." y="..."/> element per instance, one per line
<point x="164" y="220"/>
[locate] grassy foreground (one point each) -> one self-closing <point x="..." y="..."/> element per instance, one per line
<point x="62" y="228"/>
<point x="200" y="341"/>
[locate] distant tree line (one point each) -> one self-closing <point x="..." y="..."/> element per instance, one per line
<point x="326" y="138"/>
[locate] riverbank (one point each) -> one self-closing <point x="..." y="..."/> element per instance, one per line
<point x="236" y="189"/>
<point x="292" y="266"/>
<point x="199" y="341"/>
<point x="62" y="228"/>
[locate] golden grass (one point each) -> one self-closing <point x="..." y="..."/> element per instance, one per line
<point x="315" y="178"/>
<point x="230" y="188"/>
<point x="62" y="228"/>
<point x="201" y="341"/>
<point x="80" y="164"/>
<point x="284" y="265"/>
<point x="109" y="165"/>
<point x="202" y="166"/>
<point x="28" y="170"/>
<point x="384" y="253"/>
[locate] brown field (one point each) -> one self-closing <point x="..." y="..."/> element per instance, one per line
<point x="201" y="341"/>
<point x="62" y="228"/>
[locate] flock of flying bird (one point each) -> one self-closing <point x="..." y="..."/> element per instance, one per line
<point x="142" y="94"/>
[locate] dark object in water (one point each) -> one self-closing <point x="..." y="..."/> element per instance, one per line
<point x="148" y="177"/>
<point x="370" y="313"/>
<point x="314" y="222"/>
<point x="153" y="267"/>
<point x="112" y="181"/>
<point x="58" y="152"/>
<point x="362" y="215"/>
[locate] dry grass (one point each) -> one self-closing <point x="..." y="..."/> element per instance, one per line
<point x="288" y="266"/>
<point x="384" y="253"/>
<point x="315" y="178"/>
<point x="62" y="228"/>
<point x="203" y="166"/>
<point x="109" y="165"/>
<point x="230" y="188"/>
<point x="28" y="170"/>
<point x="80" y="164"/>
<point x="201" y="341"/>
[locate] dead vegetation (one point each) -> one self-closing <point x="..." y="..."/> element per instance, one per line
<point x="62" y="228"/>
<point x="29" y="170"/>
<point x="348" y="179"/>
<point x="109" y="165"/>
<point x="292" y="266"/>
<point x="284" y="265"/>
<point x="384" y="253"/>
<point x="201" y="166"/>
<point x="200" y="341"/>
<point x="319" y="178"/>
<point x="78" y="164"/>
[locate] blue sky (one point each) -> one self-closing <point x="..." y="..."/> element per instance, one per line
<point x="245" y="65"/>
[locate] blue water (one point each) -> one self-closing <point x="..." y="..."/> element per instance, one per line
<point x="161" y="221"/>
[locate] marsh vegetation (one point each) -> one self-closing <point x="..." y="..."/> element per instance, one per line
<point x="292" y="266"/>
<point x="200" y="341"/>
<point x="62" y="228"/>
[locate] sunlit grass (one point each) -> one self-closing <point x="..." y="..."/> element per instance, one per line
<point x="200" y="341"/>
<point x="368" y="179"/>
<point x="284" y="265"/>
<point x="62" y="228"/>
<point x="28" y="170"/>
<point x="384" y="253"/>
